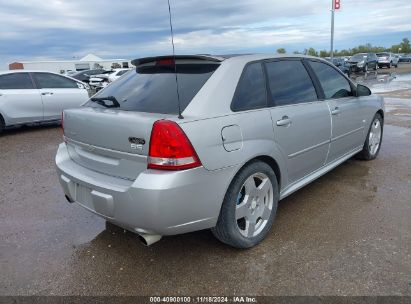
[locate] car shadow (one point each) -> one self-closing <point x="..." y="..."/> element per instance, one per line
<point x="32" y="128"/>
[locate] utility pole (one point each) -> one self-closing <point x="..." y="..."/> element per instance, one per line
<point x="335" y="5"/>
<point x="332" y="30"/>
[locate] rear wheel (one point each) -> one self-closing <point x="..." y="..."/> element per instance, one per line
<point x="249" y="207"/>
<point x="372" y="144"/>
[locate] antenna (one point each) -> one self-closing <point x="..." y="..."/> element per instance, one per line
<point x="174" y="59"/>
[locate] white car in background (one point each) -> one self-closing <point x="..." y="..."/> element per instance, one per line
<point x="102" y="80"/>
<point x="37" y="96"/>
<point x="69" y="73"/>
<point x="117" y="73"/>
<point x="387" y="59"/>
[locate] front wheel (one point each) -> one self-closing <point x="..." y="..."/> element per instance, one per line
<point x="2" y="124"/>
<point x="365" y="68"/>
<point x="373" y="141"/>
<point x="249" y="206"/>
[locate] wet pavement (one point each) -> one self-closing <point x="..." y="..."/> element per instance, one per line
<point x="347" y="233"/>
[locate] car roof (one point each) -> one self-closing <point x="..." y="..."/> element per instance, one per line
<point x="27" y="71"/>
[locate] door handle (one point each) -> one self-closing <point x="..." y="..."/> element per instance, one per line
<point x="285" y="121"/>
<point x="336" y="111"/>
<point x="47" y="93"/>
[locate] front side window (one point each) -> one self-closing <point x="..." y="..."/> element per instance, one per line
<point x="251" y="90"/>
<point x="290" y="83"/>
<point x="333" y="83"/>
<point x="52" y="81"/>
<point x="16" y="81"/>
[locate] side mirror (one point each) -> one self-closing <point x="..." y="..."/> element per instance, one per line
<point x="362" y="90"/>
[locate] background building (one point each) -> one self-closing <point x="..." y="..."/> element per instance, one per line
<point x="89" y="61"/>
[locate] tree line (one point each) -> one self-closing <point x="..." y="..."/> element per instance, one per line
<point x="403" y="47"/>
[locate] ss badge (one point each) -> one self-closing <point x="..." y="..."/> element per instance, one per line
<point x="136" y="143"/>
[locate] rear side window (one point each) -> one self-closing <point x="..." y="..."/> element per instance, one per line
<point x="153" y="89"/>
<point x="16" y="81"/>
<point x="289" y="82"/>
<point x="52" y="81"/>
<point x="251" y="90"/>
<point x="333" y="83"/>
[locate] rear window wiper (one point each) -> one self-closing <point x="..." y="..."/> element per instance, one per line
<point x="100" y="101"/>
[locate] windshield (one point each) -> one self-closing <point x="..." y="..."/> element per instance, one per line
<point x="358" y="57"/>
<point x="153" y="89"/>
<point x="383" y="54"/>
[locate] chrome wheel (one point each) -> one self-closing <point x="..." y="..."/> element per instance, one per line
<point x="374" y="138"/>
<point x="254" y="204"/>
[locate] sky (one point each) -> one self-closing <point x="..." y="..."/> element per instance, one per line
<point x="66" y="29"/>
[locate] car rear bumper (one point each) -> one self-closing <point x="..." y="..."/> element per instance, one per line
<point x="382" y="62"/>
<point x="157" y="202"/>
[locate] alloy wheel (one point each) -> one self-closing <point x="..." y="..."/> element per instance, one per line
<point x="374" y="138"/>
<point x="254" y="204"/>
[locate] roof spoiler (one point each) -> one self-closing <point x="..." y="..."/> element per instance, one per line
<point x="140" y="61"/>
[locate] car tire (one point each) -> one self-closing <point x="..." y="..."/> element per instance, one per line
<point x="2" y="124"/>
<point x="374" y="137"/>
<point x="365" y="69"/>
<point x="243" y="221"/>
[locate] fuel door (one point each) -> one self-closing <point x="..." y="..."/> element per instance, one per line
<point x="232" y="138"/>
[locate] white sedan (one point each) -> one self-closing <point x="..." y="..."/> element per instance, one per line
<point x="102" y="80"/>
<point x="37" y="96"/>
<point x="117" y="73"/>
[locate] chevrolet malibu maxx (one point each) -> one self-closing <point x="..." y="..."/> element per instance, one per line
<point x="184" y="143"/>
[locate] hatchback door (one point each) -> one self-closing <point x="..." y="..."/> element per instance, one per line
<point x="302" y="124"/>
<point x="345" y="109"/>
<point x="59" y="93"/>
<point x="112" y="137"/>
<point x="20" y="101"/>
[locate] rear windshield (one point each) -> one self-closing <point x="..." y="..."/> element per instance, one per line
<point x="153" y="89"/>
<point x="383" y="54"/>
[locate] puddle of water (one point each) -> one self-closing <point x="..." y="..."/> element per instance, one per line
<point x="381" y="83"/>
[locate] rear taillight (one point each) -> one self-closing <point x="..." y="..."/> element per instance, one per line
<point x="170" y="149"/>
<point x="167" y="61"/>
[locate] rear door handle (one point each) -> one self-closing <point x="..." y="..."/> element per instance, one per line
<point x="284" y="121"/>
<point x="336" y="111"/>
<point x="47" y="93"/>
